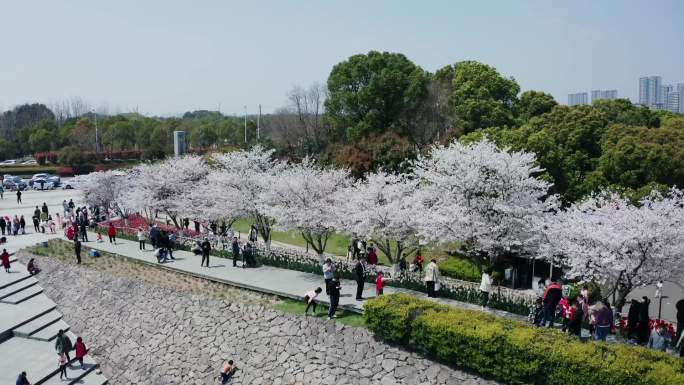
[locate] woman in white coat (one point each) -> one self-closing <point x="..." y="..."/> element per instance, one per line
<point x="431" y="278"/>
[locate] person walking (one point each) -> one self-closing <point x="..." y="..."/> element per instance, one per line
<point x="18" y="196"/>
<point x="359" y="273"/>
<point x="111" y="232"/>
<point x="63" y="344"/>
<point x="335" y="289"/>
<point x="310" y="300"/>
<point x="205" y="246"/>
<point x="16" y="225"/>
<point x="22" y="379"/>
<point x="552" y="295"/>
<point x="81" y="351"/>
<point x="431" y="278"/>
<point x="22" y="224"/>
<point x="3" y="225"/>
<point x="45" y="208"/>
<point x="328" y="274"/>
<point x="62" y="362"/>
<point x="485" y="286"/>
<point x="235" y="249"/>
<point x="77" y="250"/>
<point x="154" y="236"/>
<point x="2" y="191"/>
<point x="36" y="224"/>
<point x="5" y="256"/>
<point x="141" y="238"/>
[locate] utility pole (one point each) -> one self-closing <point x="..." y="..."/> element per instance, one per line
<point x="245" y="124"/>
<point x="258" y="119"/>
<point x="97" y="144"/>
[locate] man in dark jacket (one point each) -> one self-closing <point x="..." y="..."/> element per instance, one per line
<point x="3" y="225"/>
<point x="552" y="296"/>
<point x="334" y="296"/>
<point x="235" y="248"/>
<point x="63" y="344"/>
<point x="206" y="249"/>
<point x="358" y="273"/>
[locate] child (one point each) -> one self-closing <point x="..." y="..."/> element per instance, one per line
<point x="565" y="311"/>
<point x="227" y="371"/>
<point x="98" y="239"/>
<point x="33" y="267"/>
<point x="380" y="283"/>
<point x="537" y="313"/>
<point x="81" y="351"/>
<point x="62" y="362"/>
<point x="310" y="299"/>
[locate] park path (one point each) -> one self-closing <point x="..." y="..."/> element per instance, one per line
<point x="267" y="279"/>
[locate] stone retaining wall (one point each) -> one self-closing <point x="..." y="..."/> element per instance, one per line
<point x="142" y="334"/>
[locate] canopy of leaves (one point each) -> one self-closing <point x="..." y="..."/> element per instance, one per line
<point x="368" y="92"/>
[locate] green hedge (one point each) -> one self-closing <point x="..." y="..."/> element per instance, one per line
<point x="512" y="351"/>
<point x="460" y="268"/>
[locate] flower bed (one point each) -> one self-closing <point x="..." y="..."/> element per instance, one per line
<point x="512" y="351"/>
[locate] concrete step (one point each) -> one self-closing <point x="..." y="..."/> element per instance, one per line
<point x="74" y="372"/>
<point x="37" y="324"/>
<point x="50" y="332"/>
<point x="23" y="295"/>
<point x="94" y="377"/>
<point x="18" y="273"/>
<point x="17" y="287"/>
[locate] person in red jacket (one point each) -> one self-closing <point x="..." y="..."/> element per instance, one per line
<point x="81" y="350"/>
<point x="5" y="260"/>
<point x="380" y="283"/>
<point x="552" y="295"/>
<point x="372" y="256"/>
<point x="111" y="231"/>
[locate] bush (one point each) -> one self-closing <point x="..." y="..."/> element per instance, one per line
<point x="65" y="171"/>
<point x="512" y="351"/>
<point x="460" y="268"/>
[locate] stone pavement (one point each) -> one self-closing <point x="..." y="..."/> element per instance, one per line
<point x="266" y="279"/>
<point x="29" y="322"/>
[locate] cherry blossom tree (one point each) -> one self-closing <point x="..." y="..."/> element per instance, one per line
<point x="236" y="188"/>
<point x="304" y="197"/>
<point x="607" y="239"/>
<point x="104" y="189"/>
<point x="380" y="208"/>
<point x="164" y="187"/>
<point x="486" y="196"/>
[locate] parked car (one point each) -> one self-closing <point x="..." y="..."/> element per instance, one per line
<point x="45" y="178"/>
<point x="30" y="162"/>
<point x="8" y="162"/>
<point x="14" y="183"/>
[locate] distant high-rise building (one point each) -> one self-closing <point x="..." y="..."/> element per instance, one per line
<point x="673" y="101"/>
<point x="578" y="99"/>
<point x="651" y="91"/>
<point x="603" y="94"/>
<point x="680" y="89"/>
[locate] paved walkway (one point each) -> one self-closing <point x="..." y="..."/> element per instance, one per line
<point x="282" y="282"/>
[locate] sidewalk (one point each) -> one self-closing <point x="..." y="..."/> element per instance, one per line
<point x="266" y="279"/>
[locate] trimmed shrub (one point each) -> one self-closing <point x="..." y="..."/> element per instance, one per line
<point x="512" y="351"/>
<point x="65" y="171"/>
<point x="460" y="268"/>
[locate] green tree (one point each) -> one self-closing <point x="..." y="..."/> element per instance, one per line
<point x="41" y="140"/>
<point x="534" y="103"/>
<point x="623" y="111"/>
<point x="481" y="97"/>
<point x="368" y="93"/>
<point x="637" y="156"/>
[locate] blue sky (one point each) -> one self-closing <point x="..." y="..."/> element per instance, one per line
<point x="167" y="57"/>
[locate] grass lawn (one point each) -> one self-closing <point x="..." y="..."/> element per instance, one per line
<point x="338" y="243"/>
<point x="298" y="307"/>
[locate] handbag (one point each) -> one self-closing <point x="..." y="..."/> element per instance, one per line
<point x="437" y="286"/>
